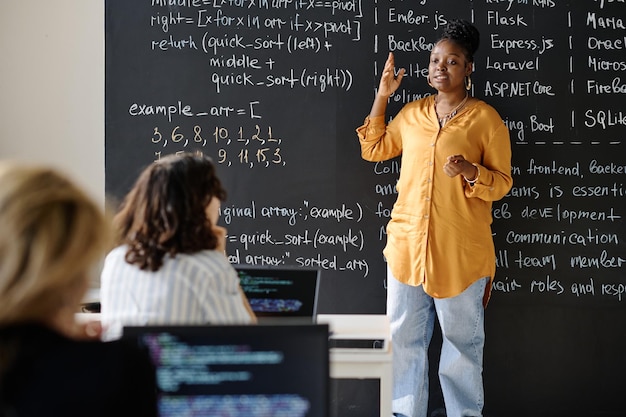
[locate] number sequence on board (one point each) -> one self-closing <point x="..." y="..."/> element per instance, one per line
<point x="254" y="147"/>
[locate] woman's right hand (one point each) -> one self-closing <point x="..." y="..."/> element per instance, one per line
<point x="389" y="81"/>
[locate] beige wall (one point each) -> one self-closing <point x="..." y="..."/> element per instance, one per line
<point x="52" y="86"/>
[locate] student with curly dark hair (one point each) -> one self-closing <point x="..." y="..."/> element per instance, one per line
<point x="456" y="160"/>
<point x="170" y="265"/>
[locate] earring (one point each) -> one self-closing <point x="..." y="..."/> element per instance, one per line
<point x="468" y="82"/>
<point x="428" y="80"/>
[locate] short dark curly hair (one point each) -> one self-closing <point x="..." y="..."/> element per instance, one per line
<point x="165" y="212"/>
<point x="464" y="34"/>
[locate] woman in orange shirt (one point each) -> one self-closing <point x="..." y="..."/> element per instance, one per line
<point x="456" y="160"/>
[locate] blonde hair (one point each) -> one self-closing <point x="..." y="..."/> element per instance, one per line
<point x="51" y="236"/>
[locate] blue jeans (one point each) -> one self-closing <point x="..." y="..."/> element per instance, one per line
<point x="412" y="316"/>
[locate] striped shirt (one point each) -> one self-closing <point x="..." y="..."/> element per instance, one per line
<point x="198" y="288"/>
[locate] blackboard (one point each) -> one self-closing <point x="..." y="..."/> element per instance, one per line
<point x="273" y="90"/>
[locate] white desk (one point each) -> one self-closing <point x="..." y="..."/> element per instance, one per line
<point x="362" y="362"/>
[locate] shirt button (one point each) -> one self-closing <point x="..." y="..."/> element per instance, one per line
<point x="425" y="216"/>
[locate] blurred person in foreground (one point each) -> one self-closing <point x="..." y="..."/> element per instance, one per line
<point x="52" y="237"/>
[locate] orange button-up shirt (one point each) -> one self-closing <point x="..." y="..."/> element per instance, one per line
<point x="439" y="234"/>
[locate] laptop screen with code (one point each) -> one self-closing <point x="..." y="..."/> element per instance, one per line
<point x="239" y="370"/>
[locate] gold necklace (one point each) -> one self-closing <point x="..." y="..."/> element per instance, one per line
<point x="446" y="118"/>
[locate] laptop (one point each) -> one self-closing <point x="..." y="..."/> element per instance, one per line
<point x="281" y="294"/>
<point x="238" y="370"/>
